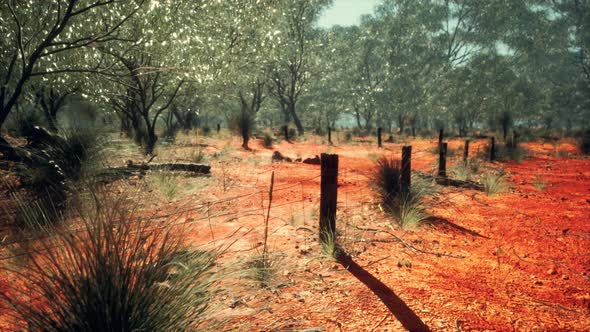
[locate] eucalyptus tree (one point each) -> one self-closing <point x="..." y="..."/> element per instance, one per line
<point x="35" y="35"/>
<point x="177" y="44"/>
<point x="290" y="69"/>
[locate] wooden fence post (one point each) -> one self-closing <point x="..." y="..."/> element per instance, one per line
<point x="328" y="197"/>
<point x="442" y="160"/>
<point x="218" y="128"/>
<point x="329" y="135"/>
<point x="440" y="137"/>
<point x="406" y="178"/>
<point x="493" y="149"/>
<point x="379" y="144"/>
<point x="466" y="152"/>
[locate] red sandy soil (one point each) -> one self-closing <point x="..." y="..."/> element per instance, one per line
<point x="519" y="260"/>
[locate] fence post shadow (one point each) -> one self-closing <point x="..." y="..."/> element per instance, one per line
<point x="398" y="308"/>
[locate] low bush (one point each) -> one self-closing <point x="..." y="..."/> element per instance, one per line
<point x="494" y="182"/>
<point x="409" y="208"/>
<point x="114" y="272"/>
<point x="263" y="269"/>
<point x="267" y="141"/>
<point x="55" y="163"/>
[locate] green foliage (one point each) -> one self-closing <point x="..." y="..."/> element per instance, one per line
<point x="263" y="269"/>
<point x="461" y="172"/>
<point x="330" y="246"/>
<point x="54" y="163"/>
<point x="408" y="208"/>
<point x="387" y="179"/>
<point x="267" y="140"/>
<point x="411" y="209"/>
<point x="115" y="272"/>
<point x="198" y="156"/>
<point x="348" y="136"/>
<point x="20" y="124"/>
<point x="165" y="182"/>
<point x="510" y="152"/>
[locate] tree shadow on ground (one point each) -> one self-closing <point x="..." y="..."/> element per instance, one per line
<point x="441" y="222"/>
<point x="398" y="308"/>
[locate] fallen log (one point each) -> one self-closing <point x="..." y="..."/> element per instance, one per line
<point x="445" y="181"/>
<point x="119" y="172"/>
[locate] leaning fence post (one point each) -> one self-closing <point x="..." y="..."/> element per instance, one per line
<point x="493" y="149"/>
<point x="466" y="152"/>
<point x="442" y="160"/>
<point x="329" y="135"/>
<point x="379" y="136"/>
<point x="328" y="196"/>
<point x="406" y="178"/>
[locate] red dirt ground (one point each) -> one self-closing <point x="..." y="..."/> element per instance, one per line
<point x="516" y="261"/>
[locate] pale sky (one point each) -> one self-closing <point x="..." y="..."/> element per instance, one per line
<point x="346" y="12"/>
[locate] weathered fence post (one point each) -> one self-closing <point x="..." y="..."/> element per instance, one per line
<point x="493" y="149"/>
<point x="286" y="132"/>
<point x="406" y="178"/>
<point x="329" y="135"/>
<point x="442" y="160"/>
<point x="466" y="152"/>
<point x="328" y="197"/>
<point x="218" y="128"/>
<point x="379" y="143"/>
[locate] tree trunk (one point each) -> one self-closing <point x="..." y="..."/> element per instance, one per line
<point x="296" y="120"/>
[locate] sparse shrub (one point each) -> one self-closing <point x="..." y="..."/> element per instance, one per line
<point x="263" y="269"/>
<point x="197" y="156"/>
<point x="55" y="163"/>
<point x="473" y="165"/>
<point x="539" y="183"/>
<point x="562" y="154"/>
<point x="387" y="179"/>
<point x="409" y="208"/>
<point x="510" y="152"/>
<point x="20" y="124"/>
<point x="330" y="246"/>
<point x="494" y="182"/>
<point x="116" y="272"/>
<point x="358" y="132"/>
<point x="170" y="132"/>
<point x="267" y="140"/>
<point x="461" y="172"/>
<point x="505" y="152"/>
<point x="348" y="136"/>
<point x="373" y="157"/>
<point x="165" y="183"/>
<point x="292" y="133"/>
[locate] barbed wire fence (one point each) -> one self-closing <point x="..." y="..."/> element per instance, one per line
<point x="296" y="203"/>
